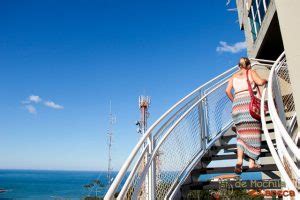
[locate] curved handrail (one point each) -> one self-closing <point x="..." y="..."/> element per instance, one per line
<point x="281" y="156"/>
<point x="275" y="156"/>
<point x="175" y="125"/>
<point x="181" y="118"/>
<point x="204" y="92"/>
<point x="130" y="177"/>
<point x="135" y="150"/>
<point x="274" y="115"/>
<point x="262" y="60"/>
<point x="166" y="135"/>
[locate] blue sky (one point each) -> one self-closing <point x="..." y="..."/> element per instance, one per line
<point x="63" y="61"/>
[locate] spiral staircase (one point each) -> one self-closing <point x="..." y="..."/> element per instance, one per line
<point x="195" y="138"/>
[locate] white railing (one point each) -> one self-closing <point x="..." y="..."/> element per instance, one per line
<point x="282" y="110"/>
<point x="176" y="139"/>
<point x="174" y="144"/>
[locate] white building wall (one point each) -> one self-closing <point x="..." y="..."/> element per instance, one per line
<point x="289" y="20"/>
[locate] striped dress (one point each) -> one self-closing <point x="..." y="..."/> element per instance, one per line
<point x="248" y="129"/>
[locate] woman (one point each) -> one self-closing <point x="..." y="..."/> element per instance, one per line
<point x="248" y="129"/>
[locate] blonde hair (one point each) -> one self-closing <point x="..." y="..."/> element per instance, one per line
<point x="245" y="63"/>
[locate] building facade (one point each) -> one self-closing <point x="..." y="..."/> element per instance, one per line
<point x="271" y="27"/>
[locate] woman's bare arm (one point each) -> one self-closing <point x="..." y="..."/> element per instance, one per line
<point x="229" y="88"/>
<point x="256" y="78"/>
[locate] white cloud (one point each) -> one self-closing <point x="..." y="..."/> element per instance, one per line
<point x="53" y="105"/>
<point x="31" y="109"/>
<point x="34" y="98"/>
<point x="235" y="48"/>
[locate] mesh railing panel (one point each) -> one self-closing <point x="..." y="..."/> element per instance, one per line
<point x="283" y="110"/>
<point x="177" y="138"/>
<point x="137" y="176"/>
<point x="176" y="152"/>
<point x="160" y="132"/>
<point x="218" y="108"/>
<point x="285" y="87"/>
<point x="184" y="141"/>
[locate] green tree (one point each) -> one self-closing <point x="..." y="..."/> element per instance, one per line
<point x="95" y="186"/>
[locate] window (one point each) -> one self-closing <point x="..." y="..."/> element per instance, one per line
<point x="256" y="15"/>
<point x="261" y="9"/>
<point x="252" y="24"/>
<point x="252" y="29"/>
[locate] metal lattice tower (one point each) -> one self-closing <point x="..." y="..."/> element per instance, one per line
<point x="112" y="121"/>
<point x="144" y="104"/>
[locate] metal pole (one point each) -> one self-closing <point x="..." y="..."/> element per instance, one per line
<point x="112" y="120"/>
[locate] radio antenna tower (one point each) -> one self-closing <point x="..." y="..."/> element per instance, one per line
<point x="144" y="104"/>
<point x="112" y="121"/>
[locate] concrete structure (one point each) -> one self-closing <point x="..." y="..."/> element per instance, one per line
<point x="271" y="27"/>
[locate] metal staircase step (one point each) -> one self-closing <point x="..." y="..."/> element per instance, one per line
<point x="228" y="137"/>
<point x="215" y="170"/>
<point x="264" y="145"/>
<point x="230" y="156"/>
<point x="235" y="151"/>
<point x="271" y="130"/>
<point x="247" y="184"/>
<point x="287" y="118"/>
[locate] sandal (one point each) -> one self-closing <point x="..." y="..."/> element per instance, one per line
<point x="238" y="169"/>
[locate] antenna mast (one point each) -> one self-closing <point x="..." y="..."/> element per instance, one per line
<point x="112" y="121"/>
<point x="144" y="103"/>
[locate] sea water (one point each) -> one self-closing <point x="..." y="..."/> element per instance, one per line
<point x="62" y="185"/>
<point x="41" y="184"/>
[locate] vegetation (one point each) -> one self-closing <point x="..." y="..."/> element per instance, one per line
<point x="93" y="198"/>
<point x="94" y="187"/>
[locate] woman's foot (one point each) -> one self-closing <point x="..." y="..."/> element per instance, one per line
<point x="238" y="168"/>
<point x="254" y="166"/>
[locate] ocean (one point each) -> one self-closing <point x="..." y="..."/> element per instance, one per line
<point x="60" y="185"/>
<point x="44" y="185"/>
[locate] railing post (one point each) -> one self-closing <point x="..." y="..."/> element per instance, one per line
<point x="202" y="122"/>
<point x="151" y="173"/>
